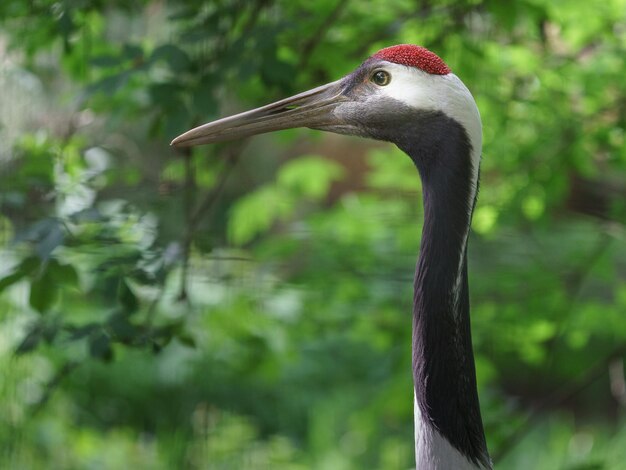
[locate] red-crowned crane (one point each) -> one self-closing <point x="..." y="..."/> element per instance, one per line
<point x="407" y="95"/>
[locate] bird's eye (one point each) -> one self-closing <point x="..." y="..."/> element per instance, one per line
<point x="381" y="78"/>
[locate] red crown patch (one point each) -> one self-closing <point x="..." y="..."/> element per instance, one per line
<point x="414" y="56"/>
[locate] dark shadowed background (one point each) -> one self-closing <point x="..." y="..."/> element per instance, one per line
<point x="247" y="305"/>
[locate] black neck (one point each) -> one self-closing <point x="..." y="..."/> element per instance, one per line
<point x="443" y="361"/>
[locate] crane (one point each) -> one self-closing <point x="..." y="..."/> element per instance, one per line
<point x="407" y="95"/>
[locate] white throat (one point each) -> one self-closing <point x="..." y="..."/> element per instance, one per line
<point x="433" y="451"/>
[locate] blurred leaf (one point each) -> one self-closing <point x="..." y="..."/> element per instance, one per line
<point x="310" y="176"/>
<point x="46" y="283"/>
<point x="50" y="240"/>
<point x="100" y="346"/>
<point x="79" y="332"/>
<point x="40" y="330"/>
<point x="126" y="297"/>
<point x="25" y="268"/>
<point x="107" y="60"/>
<point x="122" y="329"/>
<point x="132" y="52"/>
<point x="43" y="291"/>
<point x="187" y="339"/>
<point x="111" y="84"/>
<point x="257" y="211"/>
<point x="204" y="102"/>
<point x="65" y="274"/>
<point x="11" y="279"/>
<point x="175" y="57"/>
<point x="31" y="340"/>
<point x="165" y="95"/>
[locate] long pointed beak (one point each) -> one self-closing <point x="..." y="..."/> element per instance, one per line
<point x="313" y="108"/>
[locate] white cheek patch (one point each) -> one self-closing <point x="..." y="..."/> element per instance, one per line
<point x="445" y="93"/>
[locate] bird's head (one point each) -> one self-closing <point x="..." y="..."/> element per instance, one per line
<point x="403" y="94"/>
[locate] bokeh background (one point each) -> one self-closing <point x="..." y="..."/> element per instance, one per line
<point x="247" y="305"/>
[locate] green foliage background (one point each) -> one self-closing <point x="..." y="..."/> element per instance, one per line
<point x="247" y="305"/>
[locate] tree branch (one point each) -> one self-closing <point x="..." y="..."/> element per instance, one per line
<point x="53" y="384"/>
<point x="188" y="200"/>
<point x="195" y="216"/>
<point x="311" y="44"/>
